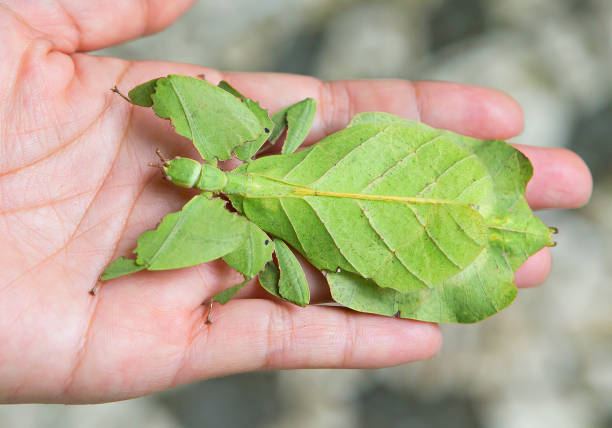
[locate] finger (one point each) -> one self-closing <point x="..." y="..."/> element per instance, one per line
<point x="561" y="179"/>
<point x="250" y="335"/>
<point x="468" y="110"/>
<point x="535" y="270"/>
<point x="76" y="25"/>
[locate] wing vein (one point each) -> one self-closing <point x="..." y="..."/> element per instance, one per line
<point x="436" y="243"/>
<point x="398" y="163"/>
<point x="302" y="161"/>
<point x="465" y="189"/>
<point x="280" y="200"/>
<point x="437" y="179"/>
<point x="361" y="144"/>
<point x="391" y="250"/>
<point x="331" y="235"/>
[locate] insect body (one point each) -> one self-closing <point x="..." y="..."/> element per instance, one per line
<point x="403" y="218"/>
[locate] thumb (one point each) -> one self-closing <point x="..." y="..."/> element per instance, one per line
<point x="77" y="26"/>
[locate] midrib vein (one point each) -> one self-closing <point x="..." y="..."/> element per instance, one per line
<point x="300" y="192"/>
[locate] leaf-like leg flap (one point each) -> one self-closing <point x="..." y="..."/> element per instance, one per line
<point x="299" y="122"/>
<point x="292" y="285"/>
<point x="298" y="118"/>
<point x="216" y="121"/>
<point x="280" y="123"/>
<point x="229" y="88"/>
<point x="141" y="94"/>
<point x="120" y="267"/>
<point x="269" y="277"/>
<point x="202" y="231"/>
<point x="249" y="150"/>
<point x="224" y="296"/>
<point x="252" y="256"/>
<point x="288" y="283"/>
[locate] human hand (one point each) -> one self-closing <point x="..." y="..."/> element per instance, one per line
<point x="75" y="192"/>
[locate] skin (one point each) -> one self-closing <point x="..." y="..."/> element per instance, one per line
<point x="75" y="192"/>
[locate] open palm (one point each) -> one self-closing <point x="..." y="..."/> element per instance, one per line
<point x="75" y="191"/>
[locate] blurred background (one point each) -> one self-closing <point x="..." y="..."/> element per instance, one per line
<point x="546" y="360"/>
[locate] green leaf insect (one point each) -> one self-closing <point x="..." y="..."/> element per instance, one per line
<point x="403" y="219"/>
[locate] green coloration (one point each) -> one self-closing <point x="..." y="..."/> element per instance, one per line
<point x="512" y="225"/>
<point x="141" y="94"/>
<point x="224" y="296"/>
<point x="120" y="267"/>
<point x="216" y="121"/>
<point x="183" y="172"/>
<point x="251" y="257"/>
<point x="269" y="278"/>
<point x="202" y="231"/>
<point x="229" y="88"/>
<point x="338" y="203"/>
<point x="405" y="219"/>
<point x="298" y="118"/>
<point x="299" y="121"/>
<point x="292" y="285"/>
<point x="280" y="123"/>
<point x="481" y="290"/>
<point x="247" y="151"/>
<point x="514" y="234"/>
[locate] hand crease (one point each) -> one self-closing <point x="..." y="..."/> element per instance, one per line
<point x="145" y="7"/>
<point x="350" y="343"/>
<point x="75" y="25"/>
<point x="59" y="149"/>
<point x="280" y="337"/>
<point x="45" y="204"/>
<point x="417" y="100"/>
<point x="82" y="348"/>
<point x="198" y="329"/>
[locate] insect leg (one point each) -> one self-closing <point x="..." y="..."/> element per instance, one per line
<point x="116" y="90"/>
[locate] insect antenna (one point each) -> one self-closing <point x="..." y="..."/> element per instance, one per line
<point x="161" y="157"/>
<point x="163" y="163"/>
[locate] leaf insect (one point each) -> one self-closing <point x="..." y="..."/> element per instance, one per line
<point x="403" y="219"/>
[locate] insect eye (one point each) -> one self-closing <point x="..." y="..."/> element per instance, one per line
<point x="266" y="242"/>
<point x="266" y="130"/>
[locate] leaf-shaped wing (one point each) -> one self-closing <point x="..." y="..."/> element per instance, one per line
<point x="479" y="291"/>
<point x="382" y="201"/>
<point x="292" y="284"/>
<point x="215" y="120"/>
<point x="486" y="286"/>
<point x="202" y="231"/>
<point x="512" y="225"/>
